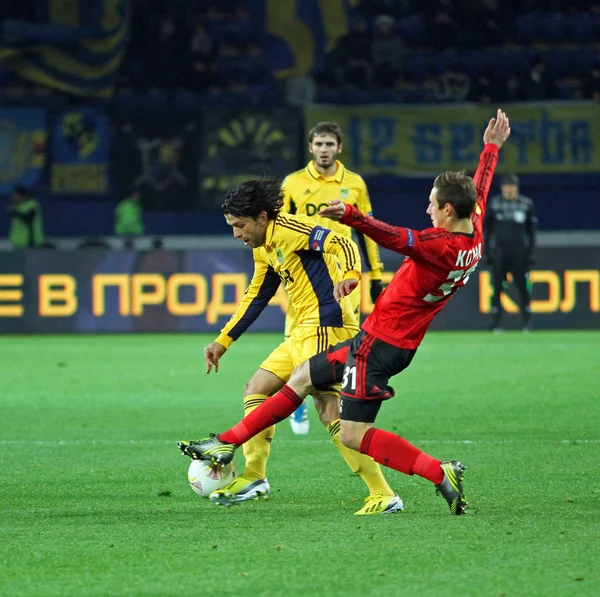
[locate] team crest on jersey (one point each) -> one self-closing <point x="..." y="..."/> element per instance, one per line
<point x="280" y="256"/>
<point x="344" y="193"/>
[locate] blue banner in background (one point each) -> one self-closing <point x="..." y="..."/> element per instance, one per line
<point x="93" y="291"/>
<point x="409" y="140"/>
<point x="79" y="153"/>
<point x="76" y="48"/>
<point x="22" y="147"/>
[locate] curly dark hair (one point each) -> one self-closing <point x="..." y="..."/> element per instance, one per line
<point x="457" y="189"/>
<point x="252" y="197"/>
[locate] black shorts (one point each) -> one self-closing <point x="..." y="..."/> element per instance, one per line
<point x="363" y="364"/>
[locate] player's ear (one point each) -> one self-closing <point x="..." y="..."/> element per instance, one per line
<point x="340" y="147"/>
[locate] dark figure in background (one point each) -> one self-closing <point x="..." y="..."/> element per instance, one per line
<point x="509" y="231"/>
<point x="537" y="83"/>
<point x="351" y="57"/>
<point x="26" y="227"/>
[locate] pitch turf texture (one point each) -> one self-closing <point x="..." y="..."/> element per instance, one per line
<point x="95" y="499"/>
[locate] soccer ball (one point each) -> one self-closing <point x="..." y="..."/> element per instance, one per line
<point x="205" y="477"/>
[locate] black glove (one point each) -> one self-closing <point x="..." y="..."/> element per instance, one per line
<point x="376" y="289"/>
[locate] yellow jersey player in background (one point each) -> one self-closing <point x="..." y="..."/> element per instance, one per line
<point x="309" y="190"/>
<point x="319" y="269"/>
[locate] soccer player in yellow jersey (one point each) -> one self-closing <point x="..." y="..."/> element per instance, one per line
<point x="319" y="269"/>
<point x="309" y="190"/>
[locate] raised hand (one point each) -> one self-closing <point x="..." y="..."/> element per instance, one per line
<point x="498" y="130"/>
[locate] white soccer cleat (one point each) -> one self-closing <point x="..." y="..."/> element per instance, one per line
<point x="299" y="420"/>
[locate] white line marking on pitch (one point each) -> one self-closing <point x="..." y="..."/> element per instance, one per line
<point x="93" y="442"/>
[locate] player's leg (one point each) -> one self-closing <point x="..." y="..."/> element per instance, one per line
<point x="299" y="419"/>
<point x="519" y="272"/>
<point x="253" y="484"/>
<point x="325" y="369"/>
<point x="498" y="278"/>
<point x="364" y="388"/>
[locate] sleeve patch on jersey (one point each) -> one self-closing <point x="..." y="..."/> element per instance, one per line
<point x="317" y="238"/>
<point x="411" y="239"/>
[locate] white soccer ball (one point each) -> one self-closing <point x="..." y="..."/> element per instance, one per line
<point x="205" y="477"/>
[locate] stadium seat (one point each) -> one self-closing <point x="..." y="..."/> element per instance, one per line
<point x="355" y="97"/>
<point x="443" y="60"/>
<point x="527" y="28"/>
<point x="505" y="62"/>
<point x="474" y="62"/>
<point x="327" y="96"/>
<point x="185" y="100"/>
<point x="418" y="67"/>
<point x="581" y="27"/>
<point x="553" y="27"/>
<point x="384" y="96"/>
<point x="153" y="101"/>
<point x="126" y="99"/>
<point x="411" y="29"/>
<point x="583" y="62"/>
<point x="559" y="62"/>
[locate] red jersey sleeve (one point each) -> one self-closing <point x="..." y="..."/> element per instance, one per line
<point x="483" y="180"/>
<point x="426" y="244"/>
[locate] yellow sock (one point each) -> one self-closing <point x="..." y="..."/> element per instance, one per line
<point x="258" y="448"/>
<point x="361" y="464"/>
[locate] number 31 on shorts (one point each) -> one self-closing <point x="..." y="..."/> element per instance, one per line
<point x="349" y="376"/>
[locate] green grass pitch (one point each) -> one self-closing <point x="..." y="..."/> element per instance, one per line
<point x="95" y="501"/>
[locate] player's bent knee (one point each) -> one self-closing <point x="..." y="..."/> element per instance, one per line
<point x="349" y="437"/>
<point x="328" y="407"/>
<point x="300" y="379"/>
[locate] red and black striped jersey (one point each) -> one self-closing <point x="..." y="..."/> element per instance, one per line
<point x="437" y="263"/>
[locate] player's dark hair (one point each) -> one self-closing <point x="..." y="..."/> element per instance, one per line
<point x="252" y="197"/>
<point x="457" y="189"/>
<point x="325" y="128"/>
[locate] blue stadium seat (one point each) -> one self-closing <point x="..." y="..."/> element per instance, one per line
<point x="474" y="62"/>
<point x="527" y="28"/>
<point x="126" y="99"/>
<point x="327" y="96"/>
<point x="355" y="97"/>
<point x="185" y="100"/>
<point x="153" y="101"/>
<point x="443" y="60"/>
<point x="583" y="62"/>
<point x="418" y="67"/>
<point x="581" y="27"/>
<point x="384" y="96"/>
<point x="507" y="62"/>
<point x="553" y="27"/>
<point x="559" y="62"/>
<point x="411" y="29"/>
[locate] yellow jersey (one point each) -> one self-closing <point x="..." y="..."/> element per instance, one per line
<point x="307" y="192"/>
<point x="310" y="260"/>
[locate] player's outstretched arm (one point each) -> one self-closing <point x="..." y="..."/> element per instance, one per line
<point x="494" y="137"/>
<point x="212" y="353"/>
<point x="394" y="238"/>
